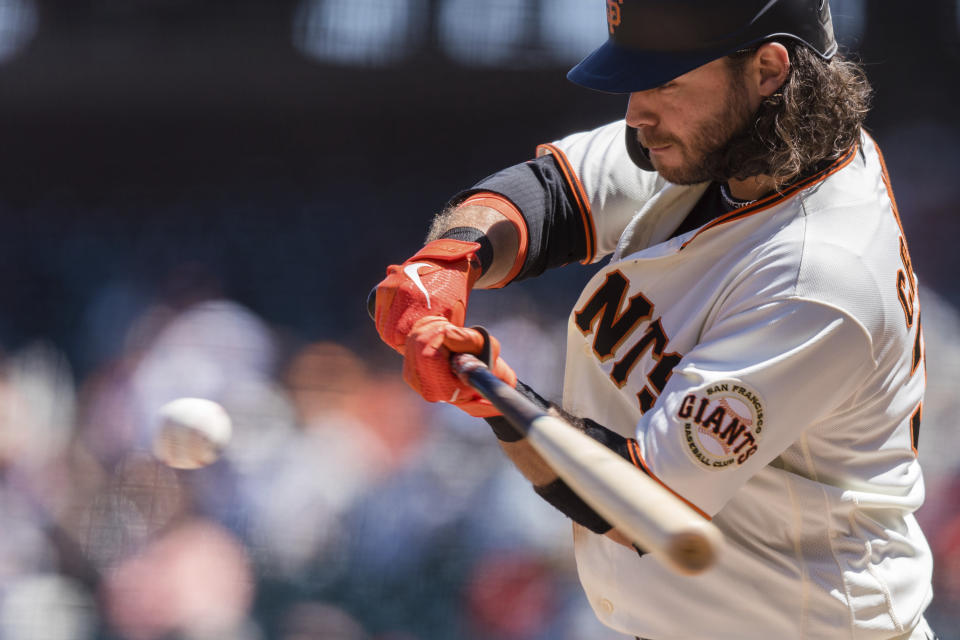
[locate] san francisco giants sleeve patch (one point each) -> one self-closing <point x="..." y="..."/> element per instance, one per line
<point x="722" y="424"/>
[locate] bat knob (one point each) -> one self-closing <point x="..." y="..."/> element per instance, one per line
<point x="696" y="550"/>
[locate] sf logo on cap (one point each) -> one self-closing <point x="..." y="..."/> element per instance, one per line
<point x="613" y="14"/>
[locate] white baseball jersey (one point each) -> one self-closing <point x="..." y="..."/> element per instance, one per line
<point x="770" y="366"/>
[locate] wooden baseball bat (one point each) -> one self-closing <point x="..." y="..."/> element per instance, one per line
<point x="636" y="505"/>
<point x="642" y="509"/>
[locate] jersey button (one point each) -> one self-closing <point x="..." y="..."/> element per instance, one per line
<point x="606" y="606"/>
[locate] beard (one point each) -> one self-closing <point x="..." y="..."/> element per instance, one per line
<point x="723" y="147"/>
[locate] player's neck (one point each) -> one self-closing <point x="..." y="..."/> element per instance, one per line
<point x="752" y="188"/>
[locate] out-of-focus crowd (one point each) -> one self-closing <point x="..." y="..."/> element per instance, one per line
<point x="344" y="508"/>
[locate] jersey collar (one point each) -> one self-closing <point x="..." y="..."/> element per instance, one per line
<point x="778" y="197"/>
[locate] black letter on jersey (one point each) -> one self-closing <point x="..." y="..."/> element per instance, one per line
<point x="906" y="284"/>
<point x="656" y="341"/>
<point x="614" y="326"/>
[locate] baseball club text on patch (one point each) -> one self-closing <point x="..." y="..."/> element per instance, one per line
<point x="722" y="424"/>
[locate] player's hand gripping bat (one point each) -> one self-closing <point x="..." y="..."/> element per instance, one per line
<point x="639" y="507"/>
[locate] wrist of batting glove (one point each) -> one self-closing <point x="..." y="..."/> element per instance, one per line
<point x="426" y="364"/>
<point x="436" y="281"/>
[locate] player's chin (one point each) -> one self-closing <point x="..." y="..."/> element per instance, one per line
<point x="678" y="170"/>
<point x="676" y="175"/>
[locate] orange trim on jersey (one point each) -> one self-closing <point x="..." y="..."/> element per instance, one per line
<point x="915" y="419"/>
<point x="637" y="458"/>
<point x="579" y="195"/>
<point x="776" y="198"/>
<point x="903" y="236"/>
<point x="919" y="355"/>
<point x="509" y="211"/>
<point x="896" y="216"/>
<point x="886" y="182"/>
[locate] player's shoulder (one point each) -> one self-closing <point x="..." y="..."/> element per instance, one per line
<point x="856" y="182"/>
<point x="850" y="212"/>
<point x="848" y="239"/>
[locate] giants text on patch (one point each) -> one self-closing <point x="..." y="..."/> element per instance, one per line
<point x="722" y="424"/>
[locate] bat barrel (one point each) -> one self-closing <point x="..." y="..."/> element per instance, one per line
<point x="638" y="506"/>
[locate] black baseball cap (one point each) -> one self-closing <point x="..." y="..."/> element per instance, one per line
<point x="653" y="41"/>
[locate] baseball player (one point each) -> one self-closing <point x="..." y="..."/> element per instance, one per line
<point x="753" y="341"/>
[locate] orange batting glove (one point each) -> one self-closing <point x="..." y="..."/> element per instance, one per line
<point x="436" y="281"/>
<point x="426" y="366"/>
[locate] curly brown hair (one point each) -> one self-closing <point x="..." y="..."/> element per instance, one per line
<point x="814" y="119"/>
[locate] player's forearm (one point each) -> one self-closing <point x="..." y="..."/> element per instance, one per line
<point x="540" y="474"/>
<point x="526" y="218"/>
<point x="533" y="467"/>
<point x="545" y="480"/>
<point x="495" y="228"/>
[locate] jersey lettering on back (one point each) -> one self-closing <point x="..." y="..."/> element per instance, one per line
<point x="906" y="285"/>
<point x="909" y="302"/>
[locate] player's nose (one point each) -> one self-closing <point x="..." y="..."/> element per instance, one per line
<point x="640" y="112"/>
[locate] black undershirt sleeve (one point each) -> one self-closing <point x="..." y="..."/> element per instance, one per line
<point x="557" y="236"/>
<point x="555" y="227"/>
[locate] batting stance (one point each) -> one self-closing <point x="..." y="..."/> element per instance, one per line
<point x="753" y="342"/>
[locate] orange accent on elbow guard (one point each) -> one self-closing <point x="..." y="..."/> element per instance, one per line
<point x="512" y="213"/>
<point x="579" y="195"/>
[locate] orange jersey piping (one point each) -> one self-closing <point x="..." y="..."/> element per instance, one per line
<point x="886" y="182"/>
<point x="917" y="415"/>
<point x="635" y="456"/>
<point x="776" y="198"/>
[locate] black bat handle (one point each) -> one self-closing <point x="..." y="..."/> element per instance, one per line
<point x="518" y="410"/>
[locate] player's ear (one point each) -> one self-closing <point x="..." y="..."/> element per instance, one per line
<point x="771" y="64"/>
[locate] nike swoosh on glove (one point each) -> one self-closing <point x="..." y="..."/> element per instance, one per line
<point x="436" y="281"/>
<point x="426" y="364"/>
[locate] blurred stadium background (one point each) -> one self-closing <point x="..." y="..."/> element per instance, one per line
<point x="196" y="197"/>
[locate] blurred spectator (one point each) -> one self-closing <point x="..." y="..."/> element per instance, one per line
<point x="314" y="620"/>
<point x="135" y="504"/>
<point x="511" y="596"/>
<point x="194" y="580"/>
<point x="354" y="430"/>
<point x="206" y="350"/>
<point x="48" y="607"/>
<point x="36" y="407"/>
<point x="328" y="381"/>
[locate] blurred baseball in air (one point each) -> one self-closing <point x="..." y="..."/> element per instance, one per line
<point x="191" y="433"/>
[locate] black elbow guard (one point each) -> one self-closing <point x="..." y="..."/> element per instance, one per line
<point x="505" y="431"/>
<point x="571" y="505"/>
